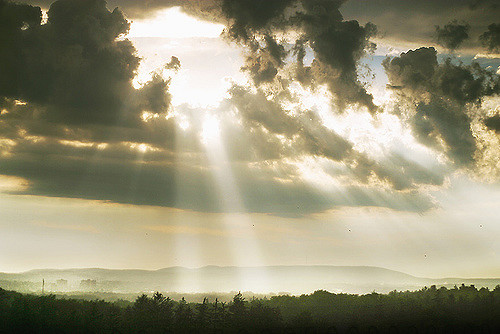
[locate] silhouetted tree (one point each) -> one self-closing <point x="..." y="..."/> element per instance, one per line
<point x="183" y="316"/>
<point x="238" y="311"/>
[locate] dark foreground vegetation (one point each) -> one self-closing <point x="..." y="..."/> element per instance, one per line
<point x="430" y="310"/>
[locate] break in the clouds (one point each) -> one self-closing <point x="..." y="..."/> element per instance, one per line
<point x="75" y="124"/>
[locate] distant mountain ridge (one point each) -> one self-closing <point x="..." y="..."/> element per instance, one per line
<point x="291" y="279"/>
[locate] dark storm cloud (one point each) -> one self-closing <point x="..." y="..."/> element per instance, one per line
<point x="412" y="70"/>
<point x="72" y="64"/>
<point x="209" y="10"/>
<point x="452" y="35"/>
<point x="66" y="92"/>
<point x="443" y="94"/>
<point x="338" y="45"/>
<point x="418" y="74"/>
<point x="263" y="63"/>
<point x="259" y="111"/>
<point x="491" y="38"/>
<point x="14" y="19"/>
<point x="154" y="96"/>
<point x="75" y="70"/>
<point x="489" y="4"/>
<point x="22" y="121"/>
<point x="410" y="23"/>
<point x="397" y="171"/>
<point x="441" y="120"/>
<point x="252" y="16"/>
<point x="162" y="179"/>
<point x="90" y="68"/>
<point x="117" y="172"/>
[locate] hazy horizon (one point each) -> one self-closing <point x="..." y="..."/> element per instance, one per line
<point x="56" y="269"/>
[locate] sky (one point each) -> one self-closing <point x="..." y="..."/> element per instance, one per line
<point x="250" y="133"/>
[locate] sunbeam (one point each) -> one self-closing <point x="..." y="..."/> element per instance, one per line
<point x="245" y="247"/>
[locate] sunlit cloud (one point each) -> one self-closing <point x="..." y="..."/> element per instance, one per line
<point x="173" y="23"/>
<point x="13" y="184"/>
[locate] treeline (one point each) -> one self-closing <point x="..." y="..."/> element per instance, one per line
<point x="462" y="309"/>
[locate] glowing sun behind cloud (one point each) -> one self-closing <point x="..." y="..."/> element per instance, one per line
<point x="208" y="63"/>
<point x="173" y="23"/>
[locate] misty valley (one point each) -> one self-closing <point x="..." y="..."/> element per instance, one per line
<point x="232" y="300"/>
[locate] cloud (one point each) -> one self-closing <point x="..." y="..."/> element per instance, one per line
<point x="493" y="123"/>
<point x="160" y="179"/>
<point x="399" y="172"/>
<point x="438" y="120"/>
<point x="452" y="35"/>
<point x="443" y="93"/>
<point x="153" y="96"/>
<point x="418" y="74"/>
<point x="263" y="63"/>
<point x="75" y="68"/>
<point x="489" y="4"/>
<point x="138" y="174"/>
<point x="338" y="45"/>
<point x="208" y="10"/>
<point x="409" y="24"/>
<point x="71" y="78"/>
<point x="68" y="104"/>
<point x="72" y="64"/>
<point x="173" y="64"/>
<point x="248" y="17"/>
<point x="305" y="131"/>
<point x="300" y="133"/>
<point x="412" y="70"/>
<point x="73" y="125"/>
<point x="491" y="38"/>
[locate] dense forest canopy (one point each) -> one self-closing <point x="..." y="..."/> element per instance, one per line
<point x="463" y="309"/>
